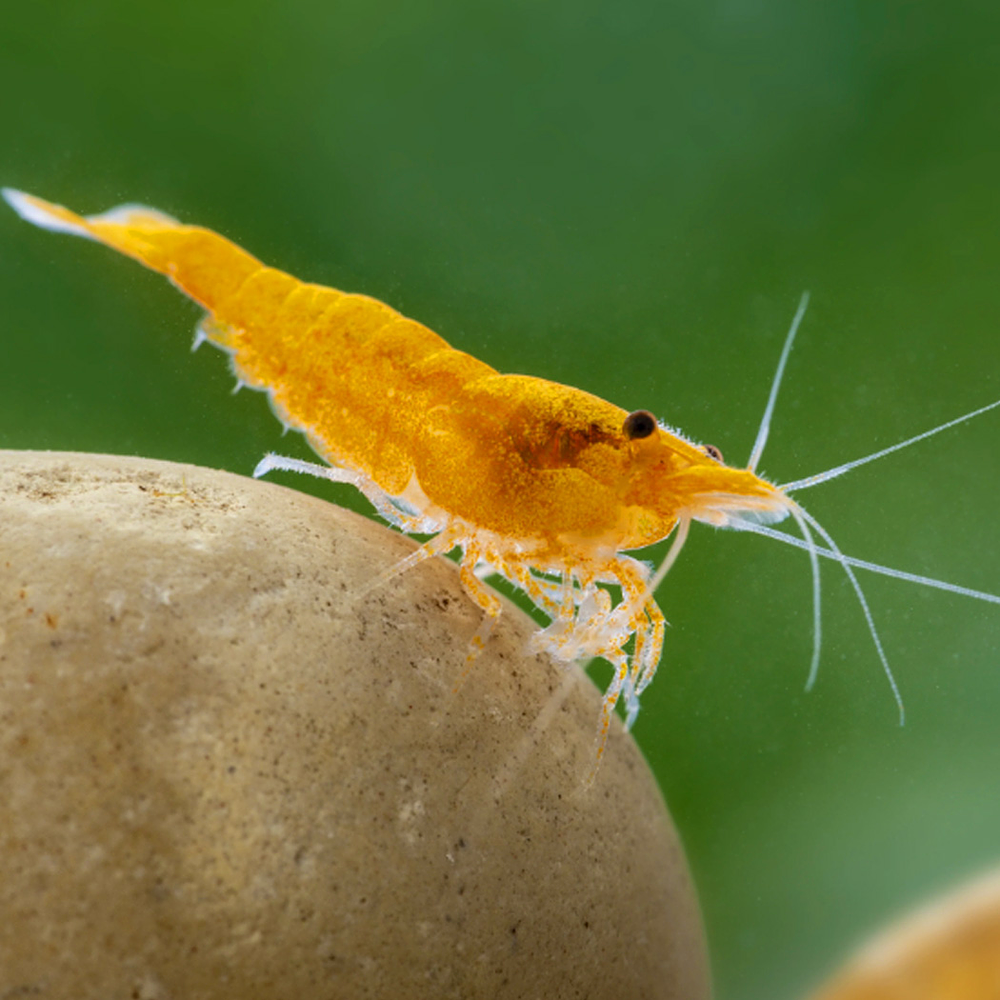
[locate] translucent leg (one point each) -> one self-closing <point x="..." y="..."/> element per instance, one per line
<point x="440" y="544"/>
<point x="376" y="496"/>
<point x="270" y="462"/>
<point x="541" y="591"/>
<point x="644" y="619"/>
<point x="611" y="696"/>
<point x="486" y="599"/>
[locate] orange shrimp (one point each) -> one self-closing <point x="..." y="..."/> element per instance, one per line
<point x="545" y="484"/>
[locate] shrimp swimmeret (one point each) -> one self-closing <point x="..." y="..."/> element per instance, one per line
<point x="545" y="484"/>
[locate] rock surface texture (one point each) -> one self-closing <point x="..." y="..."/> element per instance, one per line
<point x="229" y="772"/>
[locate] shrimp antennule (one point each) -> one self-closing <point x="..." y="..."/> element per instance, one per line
<point x="804" y="520"/>
<point x="897" y="574"/>
<point x="797" y="513"/>
<point x="809" y="543"/>
<point x="823" y="477"/>
<point x="807" y="518"/>
<point x="765" y="423"/>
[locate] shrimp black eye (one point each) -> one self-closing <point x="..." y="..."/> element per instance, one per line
<point x="712" y="452"/>
<point x="639" y="424"/>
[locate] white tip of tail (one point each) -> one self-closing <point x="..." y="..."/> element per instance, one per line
<point x="36" y="211"/>
<point x="56" y="218"/>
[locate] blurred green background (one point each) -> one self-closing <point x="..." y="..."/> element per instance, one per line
<point x="627" y="197"/>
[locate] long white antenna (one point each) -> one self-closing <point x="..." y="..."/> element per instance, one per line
<point x="897" y="574"/>
<point x="765" y="424"/>
<point x="862" y="600"/>
<point x="822" y="477"/>
<point x="810" y="544"/>
<point x="683" y="524"/>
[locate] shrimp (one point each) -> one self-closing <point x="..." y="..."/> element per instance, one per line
<point x="544" y="484"/>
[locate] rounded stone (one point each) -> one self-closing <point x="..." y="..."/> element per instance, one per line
<point x="233" y="769"/>
<point x="948" y="949"/>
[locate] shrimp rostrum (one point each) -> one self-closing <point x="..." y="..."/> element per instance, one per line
<point x="542" y="483"/>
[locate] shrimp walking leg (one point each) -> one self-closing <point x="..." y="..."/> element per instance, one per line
<point x="485" y="598"/>
<point x="440" y="544"/>
<point x="647" y="623"/>
<point x="378" y="498"/>
<point x="620" y="663"/>
<point x="541" y="591"/>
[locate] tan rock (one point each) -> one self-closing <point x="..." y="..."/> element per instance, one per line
<point x="948" y="949"/>
<point x="228" y="773"/>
